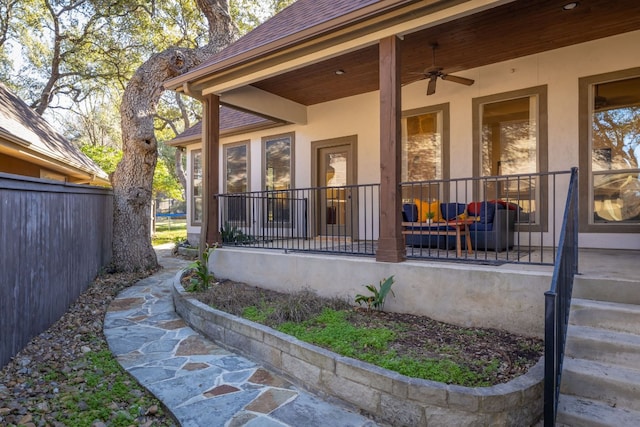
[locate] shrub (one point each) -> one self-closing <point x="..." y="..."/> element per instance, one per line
<point x="378" y="296"/>
<point x="202" y="278"/>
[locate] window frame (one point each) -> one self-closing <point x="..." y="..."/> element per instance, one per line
<point x="542" y="147"/>
<point x="246" y="216"/>
<point x="441" y="191"/>
<point x="265" y="140"/>
<point x="226" y="147"/>
<point x="263" y="172"/>
<point x="585" y="111"/>
<point x="445" y="148"/>
<point x="192" y="196"/>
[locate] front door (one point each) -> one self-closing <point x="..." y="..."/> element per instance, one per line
<point x="336" y="203"/>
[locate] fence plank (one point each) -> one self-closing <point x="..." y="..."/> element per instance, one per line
<point x="54" y="239"/>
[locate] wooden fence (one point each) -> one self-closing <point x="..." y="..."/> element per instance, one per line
<point x="54" y="239"/>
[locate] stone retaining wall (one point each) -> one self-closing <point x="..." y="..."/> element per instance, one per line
<point x="383" y="394"/>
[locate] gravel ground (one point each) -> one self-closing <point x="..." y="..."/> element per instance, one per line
<point x="67" y="376"/>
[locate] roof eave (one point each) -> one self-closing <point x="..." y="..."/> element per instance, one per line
<point x="196" y="139"/>
<point x="54" y="163"/>
<point x="184" y="82"/>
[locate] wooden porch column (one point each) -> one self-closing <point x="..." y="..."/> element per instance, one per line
<point x="209" y="232"/>
<point x="391" y="243"/>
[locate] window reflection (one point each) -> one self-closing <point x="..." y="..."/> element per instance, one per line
<point x="510" y="147"/>
<point x="422" y="147"/>
<point x="278" y="166"/>
<point x="236" y="178"/>
<point x="615" y="153"/>
<point x="422" y="154"/>
<point x="196" y="187"/>
<point x="236" y="181"/>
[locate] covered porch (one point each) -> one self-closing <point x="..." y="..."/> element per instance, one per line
<point x="367" y="71"/>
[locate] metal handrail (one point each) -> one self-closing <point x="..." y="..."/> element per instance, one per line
<point x="558" y="302"/>
<point x="318" y="219"/>
<point x="346" y="219"/>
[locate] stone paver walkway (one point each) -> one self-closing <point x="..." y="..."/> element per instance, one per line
<point x="201" y="383"/>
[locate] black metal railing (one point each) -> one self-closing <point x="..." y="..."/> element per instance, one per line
<point x="322" y="219"/>
<point x="558" y="302"/>
<point x="492" y="220"/>
<point x="515" y="224"/>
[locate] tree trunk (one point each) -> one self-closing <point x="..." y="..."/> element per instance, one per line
<point x="133" y="177"/>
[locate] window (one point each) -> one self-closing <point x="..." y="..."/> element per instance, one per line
<point x="278" y="177"/>
<point x="610" y="152"/>
<point x="510" y="139"/>
<point x="236" y="180"/>
<point x="196" y="187"/>
<point x="425" y="145"/>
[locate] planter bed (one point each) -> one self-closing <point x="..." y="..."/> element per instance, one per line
<point x="385" y="395"/>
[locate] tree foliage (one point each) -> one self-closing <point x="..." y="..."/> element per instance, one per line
<point x="165" y="184"/>
<point x="77" y="57"/>
<point x="104" y="156"/>
<point x="70" y="49"/>
<point x="248" y="14"/>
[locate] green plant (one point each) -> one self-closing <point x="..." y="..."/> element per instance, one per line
<point x="377" y="298"/>
<point x="104" y="381"/>
<point x="202" y="277"/>
<point x="232" y="234"/>
<point x="430" y="215"/>
<point x="331" y="329"/>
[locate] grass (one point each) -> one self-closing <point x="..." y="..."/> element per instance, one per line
<point x="103" y="380"/>
<point x="331" y="329"/>
<point x="169" y="231"/>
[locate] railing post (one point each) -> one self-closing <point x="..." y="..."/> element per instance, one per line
<point x="550" y="335"/>
<point x="558" y="303"/>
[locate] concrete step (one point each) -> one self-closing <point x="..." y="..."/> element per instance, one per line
<point x="600" y="345"/>
<point x="581" y="412"/>
<point x="610" y="384"/>
<point x="625" y="291"/>
<point x="606" y="315"/>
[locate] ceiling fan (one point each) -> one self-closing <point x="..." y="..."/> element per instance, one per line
<point x="434" y="72"/>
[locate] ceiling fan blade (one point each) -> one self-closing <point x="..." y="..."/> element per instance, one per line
<point x="431" y="88"/>
<point x="421" y="76"/>
<point x="457" y="79"/>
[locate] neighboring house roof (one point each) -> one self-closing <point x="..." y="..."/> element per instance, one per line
<point x="232" y="122"/>
<point x="22" y="129"/>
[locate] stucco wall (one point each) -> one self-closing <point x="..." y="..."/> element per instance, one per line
<point x="462" y="294"/>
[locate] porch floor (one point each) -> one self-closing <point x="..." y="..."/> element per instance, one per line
<point x="593" y="263"/>
<point x="610" y="264"/>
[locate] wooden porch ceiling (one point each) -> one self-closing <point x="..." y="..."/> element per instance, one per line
<point x="516" y="29"/>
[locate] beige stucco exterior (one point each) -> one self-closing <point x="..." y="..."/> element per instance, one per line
<point x="448" y="292"/>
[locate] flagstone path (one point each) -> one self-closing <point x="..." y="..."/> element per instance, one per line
<point x="202" y="384"/>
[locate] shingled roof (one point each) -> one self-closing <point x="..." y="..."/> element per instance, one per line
<point x="22" y="126"/>
<point x="300" y="21"/>
<point x="232" y="122"/>
<point x="300" y="16"/>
